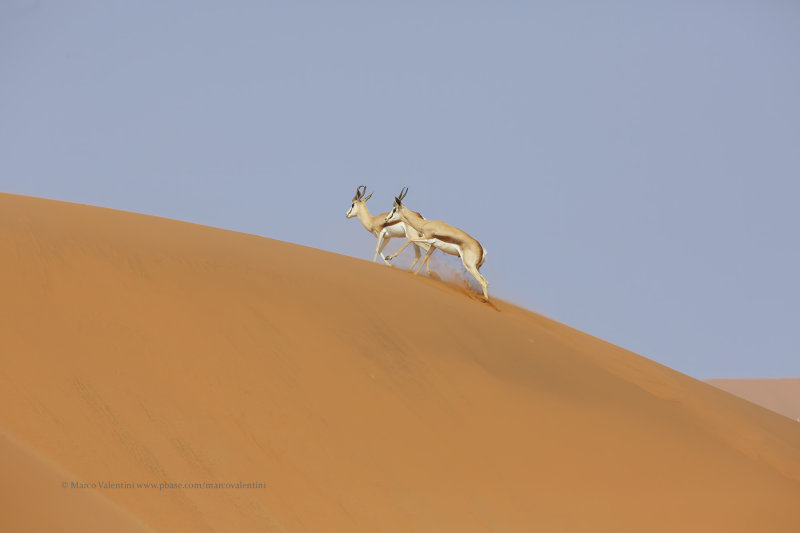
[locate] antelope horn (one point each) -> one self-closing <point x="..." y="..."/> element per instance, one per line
<point x="360" y="192"/>
<point x="403" y="193"/>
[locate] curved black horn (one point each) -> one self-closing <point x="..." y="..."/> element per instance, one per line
<point x="403" y="192"/>
<point x="360" y="190"/>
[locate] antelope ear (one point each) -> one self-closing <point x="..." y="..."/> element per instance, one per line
<point x="368" y="197"/>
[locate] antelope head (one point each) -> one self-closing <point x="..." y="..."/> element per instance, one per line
<point x="358" y="201"/>
<point x="394" y="214"/>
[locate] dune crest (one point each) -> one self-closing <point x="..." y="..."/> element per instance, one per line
<point x="141" y="349"/>
<point x="781" y="395"/>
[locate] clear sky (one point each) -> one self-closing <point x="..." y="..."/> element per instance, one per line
<point x="633" y="168"/>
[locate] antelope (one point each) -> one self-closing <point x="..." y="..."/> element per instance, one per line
<point x="384" y="231"/>
<point x="438" y="234"/>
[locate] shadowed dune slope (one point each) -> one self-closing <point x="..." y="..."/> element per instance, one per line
<point x="781" y="395"/>
<point x="139" y="349"/>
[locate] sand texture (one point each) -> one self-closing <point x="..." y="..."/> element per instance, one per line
<point x="138" y="349"/>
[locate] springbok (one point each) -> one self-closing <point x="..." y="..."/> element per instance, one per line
<point x="384" y="231"/>
<point x="438" y="234"/>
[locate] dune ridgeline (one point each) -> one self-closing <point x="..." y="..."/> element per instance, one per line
<point x="164" y="376"/>
<point x="781" y="395"/>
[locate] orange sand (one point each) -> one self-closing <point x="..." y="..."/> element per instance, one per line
<point x="142" y="349"/>
<point x="779" y="395"/>
<point x="33" y="498"/>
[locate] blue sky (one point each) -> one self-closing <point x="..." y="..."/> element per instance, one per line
<point x="632" y="167"/>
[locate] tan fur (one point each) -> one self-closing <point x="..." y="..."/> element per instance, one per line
<point x="377" y="225"/>
<point x="469" y="249"/>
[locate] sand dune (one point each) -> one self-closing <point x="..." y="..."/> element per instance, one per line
<point x="779" y="395"/>
<point x="36" y="496"/>
<point x="137" y="349"/>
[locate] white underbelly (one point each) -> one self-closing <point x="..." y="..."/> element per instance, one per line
<point x="396" y="230"/>
<point x="446" y="247"/>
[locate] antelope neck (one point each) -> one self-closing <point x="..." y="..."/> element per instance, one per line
<point x="366" y="219"/>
